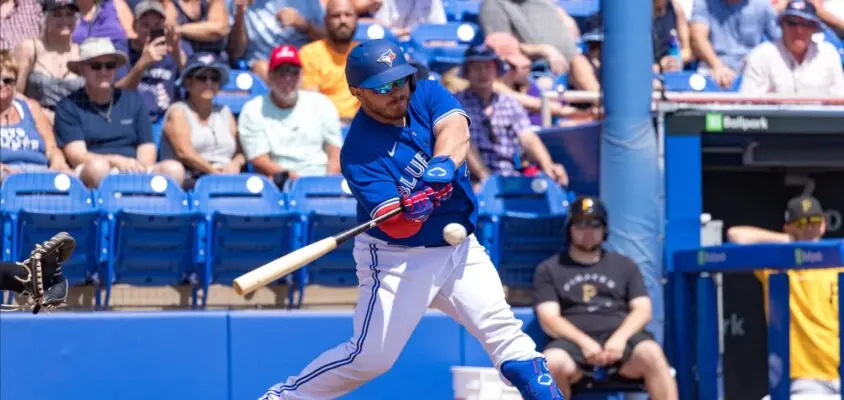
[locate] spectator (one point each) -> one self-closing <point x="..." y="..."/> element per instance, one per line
<point x="516" y="82"/>
<point x="541" y="27"/>
<point x="813" y="319"/>
<point x="290" y="132"/>
<point x="402" y="16"/>
<point x="156" y="57"/>
<point x="43" y="74"/>
<point x="795" y="64"/>
<point x="324" y="61"/>
<point x="198" y="133"/>
<point x="204" y="25"/>
<point x="27" y="142"/>
<point x="258" y="26"/>
<point x="724" y="31"/>
<point x="669" y="20"/>
<point x="19" y="20"/>
<point x="830" y="12"/>
<point x="501" y="125"/>
<point x="104" y="18"/>
<point x="594" y="306"/>
<point x="105" y="130"/>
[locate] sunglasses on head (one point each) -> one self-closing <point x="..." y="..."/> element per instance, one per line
<point x="97" y="66"/>
<point x="810" y="220"/>
<point x="587" y="223"/>
<point x="8" y="80"/>
<point x="793" y="21"/>
<point x="388" y="87"/>
<point x="212" y="77"/>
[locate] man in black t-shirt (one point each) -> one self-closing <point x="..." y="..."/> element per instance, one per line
<point x="594" y="306"/>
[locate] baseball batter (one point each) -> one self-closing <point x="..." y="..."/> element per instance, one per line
<point x="406" y="148"/>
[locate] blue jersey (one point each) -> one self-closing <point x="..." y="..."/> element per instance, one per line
<point x="382" y="162"/>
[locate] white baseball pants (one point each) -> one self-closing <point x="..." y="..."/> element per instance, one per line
<point x="397" y="285"/>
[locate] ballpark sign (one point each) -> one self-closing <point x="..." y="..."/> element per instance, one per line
<point x="717" y="122"/>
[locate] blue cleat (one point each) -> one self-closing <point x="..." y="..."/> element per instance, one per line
<point x="532" y="379"/>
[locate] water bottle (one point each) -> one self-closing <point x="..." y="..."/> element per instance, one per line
<point x="674" y="49"/>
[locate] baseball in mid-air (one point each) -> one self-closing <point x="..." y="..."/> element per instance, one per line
<point x="454" y="233"/>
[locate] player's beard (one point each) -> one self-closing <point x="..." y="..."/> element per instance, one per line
<point x="393" y="111"/>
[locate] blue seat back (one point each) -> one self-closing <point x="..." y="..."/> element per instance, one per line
<point x="522" y="220"/>
<point x="462" y="10"/>
<point x="325" y="195"/>
<point x="242" y="194"/>
<point x="43" y="204"/>
<point x="580" y="8"/>
<point x="249" y="224"/>
<point x="530" y="196"/>
<point x="241" y="87"/>
<point x="327" y="207"/>
<point x="689" y="81"/>
<point x="442" y="46"/>
<point x="141" y="193"/>
<point x="151" y="230"/>
<point x="368" y="31"/>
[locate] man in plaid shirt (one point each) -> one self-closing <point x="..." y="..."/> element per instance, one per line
<point x="19" y="20"/>
<point x="501" y="129"/>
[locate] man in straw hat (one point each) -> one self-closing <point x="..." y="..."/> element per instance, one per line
<point x="105" y="130"/>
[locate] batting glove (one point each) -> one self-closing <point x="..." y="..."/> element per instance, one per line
<point x="438" y="175"/>
<point x="418" y="206"/>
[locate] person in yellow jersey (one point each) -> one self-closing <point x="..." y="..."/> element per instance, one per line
<point x="813" y="300"/>
<point x="324" y="61"/>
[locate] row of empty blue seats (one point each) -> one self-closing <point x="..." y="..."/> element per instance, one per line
<point x="145" y="230"/>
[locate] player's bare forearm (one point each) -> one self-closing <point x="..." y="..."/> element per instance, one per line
<point x="640" y="315"/>
<point x="753" y="235"/>
<point x="452" y="138"/>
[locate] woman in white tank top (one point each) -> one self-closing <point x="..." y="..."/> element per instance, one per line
<point x="199" y="134"/>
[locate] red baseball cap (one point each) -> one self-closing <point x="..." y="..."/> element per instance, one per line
<point x="284" y="54"/>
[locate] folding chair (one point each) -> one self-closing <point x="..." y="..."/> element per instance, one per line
<point x="246" y="224"/>
<point x="35" y="206"/>
<point x="241" y="87"/>
<point x="521" y="222"/>
<point x="441" y="46"/>
<point x="326" y="207"/>
<point x="148" y="230"/>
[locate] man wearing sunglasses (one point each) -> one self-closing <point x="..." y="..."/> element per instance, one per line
<point x="290" y="132"/>
<point x="406" y="150"/>
<point x="105" y="130"/>
<point x="594" y="306"/>
<point x="795" y="64"/>
<point x="814" y="299"/>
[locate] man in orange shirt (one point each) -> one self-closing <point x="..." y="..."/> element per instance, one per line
<point x="324" y="61"/>
<point x="813" y="300"/>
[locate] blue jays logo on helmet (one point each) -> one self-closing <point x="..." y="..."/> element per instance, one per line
<point x="376" y="62"/>
<point x="387" y="57"/>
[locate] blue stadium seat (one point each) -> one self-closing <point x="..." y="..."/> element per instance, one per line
<point x="241" y="87"/>
<point x="148" y="231"/>
<point x="36" y="206"/>
<point x="521" y="222"/>
<point x="246" y="224"/>
<point x="462" y="10"/>
<point x="441" y="46"/>
<point x="326" y="207"/>
<point x="690" y="81"/>
<point x="368" y="31"/>
<point x="580" y="8"/>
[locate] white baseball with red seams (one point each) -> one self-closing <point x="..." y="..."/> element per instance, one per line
<point x="454" y="234"/>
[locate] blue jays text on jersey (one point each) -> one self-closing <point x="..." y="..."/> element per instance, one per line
<point x="383" y="162"/>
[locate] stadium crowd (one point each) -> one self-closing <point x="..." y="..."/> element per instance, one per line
<point x="85" y="83"/>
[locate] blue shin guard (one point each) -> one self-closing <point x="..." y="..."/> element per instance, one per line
<point x="532" y="379"/>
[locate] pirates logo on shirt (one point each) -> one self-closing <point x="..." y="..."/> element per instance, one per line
<point x="387" y="57"/>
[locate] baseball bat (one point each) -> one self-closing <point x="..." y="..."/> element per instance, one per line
<point x="269" y="272"/>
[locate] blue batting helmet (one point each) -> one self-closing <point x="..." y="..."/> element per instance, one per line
<point x="375" y="63"/>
